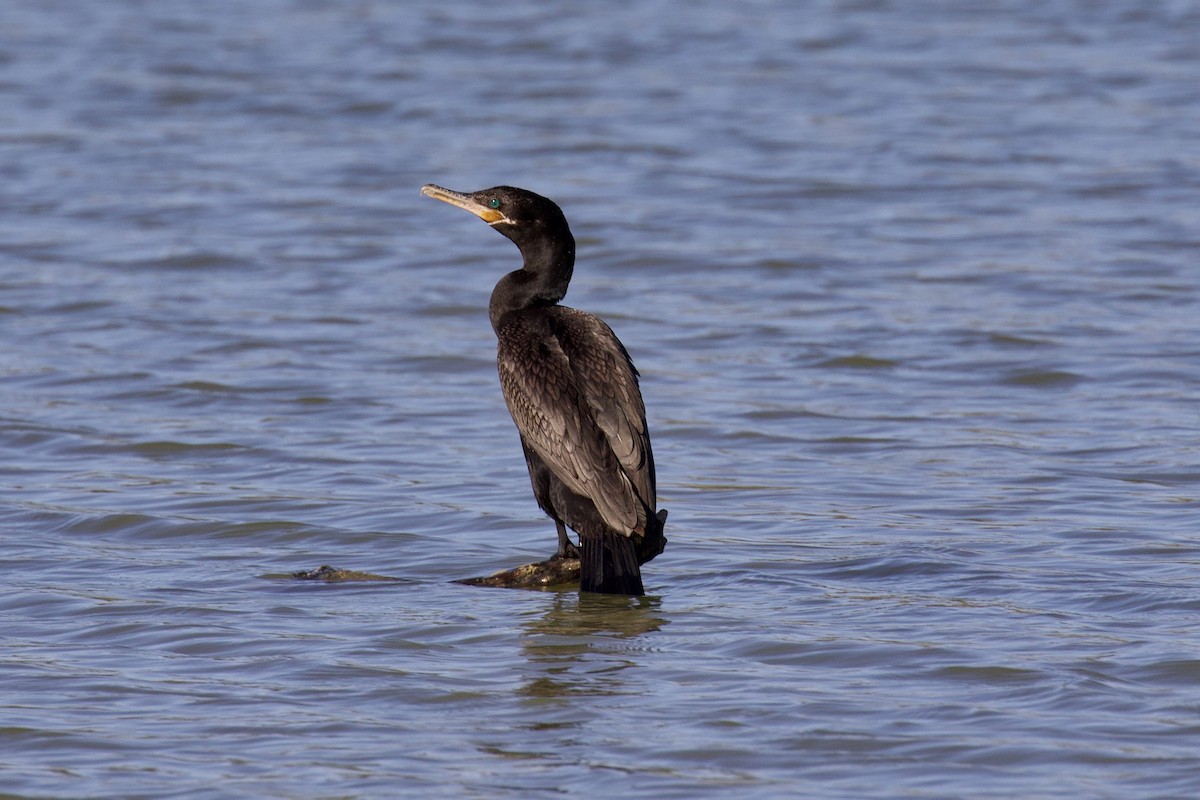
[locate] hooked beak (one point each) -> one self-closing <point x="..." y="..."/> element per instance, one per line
<point x="464" y="201"/>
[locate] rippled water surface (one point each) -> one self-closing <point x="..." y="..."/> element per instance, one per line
<point x="914" y="289"/>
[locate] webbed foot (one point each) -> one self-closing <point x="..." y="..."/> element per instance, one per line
<point x="566" y="548"/>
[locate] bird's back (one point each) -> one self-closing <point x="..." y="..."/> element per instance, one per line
<point x="573" y="393"/>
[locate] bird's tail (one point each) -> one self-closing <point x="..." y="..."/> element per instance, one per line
<point x="608" y="563"/>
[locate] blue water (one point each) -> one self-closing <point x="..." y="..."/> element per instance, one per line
<point x="913" y="288"/>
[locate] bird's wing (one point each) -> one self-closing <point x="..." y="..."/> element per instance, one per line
<point x="609" y="382"/>
<point x="573" y="393"/>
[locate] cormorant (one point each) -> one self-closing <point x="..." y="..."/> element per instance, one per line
<point x="573" y="392"/>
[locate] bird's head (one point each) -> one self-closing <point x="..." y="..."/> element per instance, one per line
<point x="519" y="214"/>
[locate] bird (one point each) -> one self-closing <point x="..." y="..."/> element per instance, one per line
<point x="573" y="392"/>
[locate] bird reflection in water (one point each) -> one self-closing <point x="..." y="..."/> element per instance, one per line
<point x="584" y="644"/>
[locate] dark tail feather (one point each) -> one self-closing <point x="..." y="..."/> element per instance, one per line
<point x="609" y="564"/>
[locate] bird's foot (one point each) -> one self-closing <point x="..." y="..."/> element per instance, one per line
<point x="653" y="542"/>
<point x="567" y="549"/>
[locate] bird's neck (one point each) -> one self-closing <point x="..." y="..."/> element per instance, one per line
<point x="541" y="281"/>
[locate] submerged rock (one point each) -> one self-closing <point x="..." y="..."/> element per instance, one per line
<point x="552" y="574"/>
<point x="335" y="574"/>
<point x="555" y="573"/>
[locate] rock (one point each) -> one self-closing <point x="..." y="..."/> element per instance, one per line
<point x="555" y="573"/>
<point x="335" y="575"/>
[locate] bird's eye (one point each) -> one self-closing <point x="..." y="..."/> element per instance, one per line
<point x="494" y="202"/>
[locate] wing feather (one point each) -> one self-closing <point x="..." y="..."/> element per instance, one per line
<point x="573" y="392"/>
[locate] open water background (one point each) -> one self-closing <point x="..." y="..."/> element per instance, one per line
<point x="915" y="291"/>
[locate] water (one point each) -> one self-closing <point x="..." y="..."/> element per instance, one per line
<point x="914" y="291"/>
